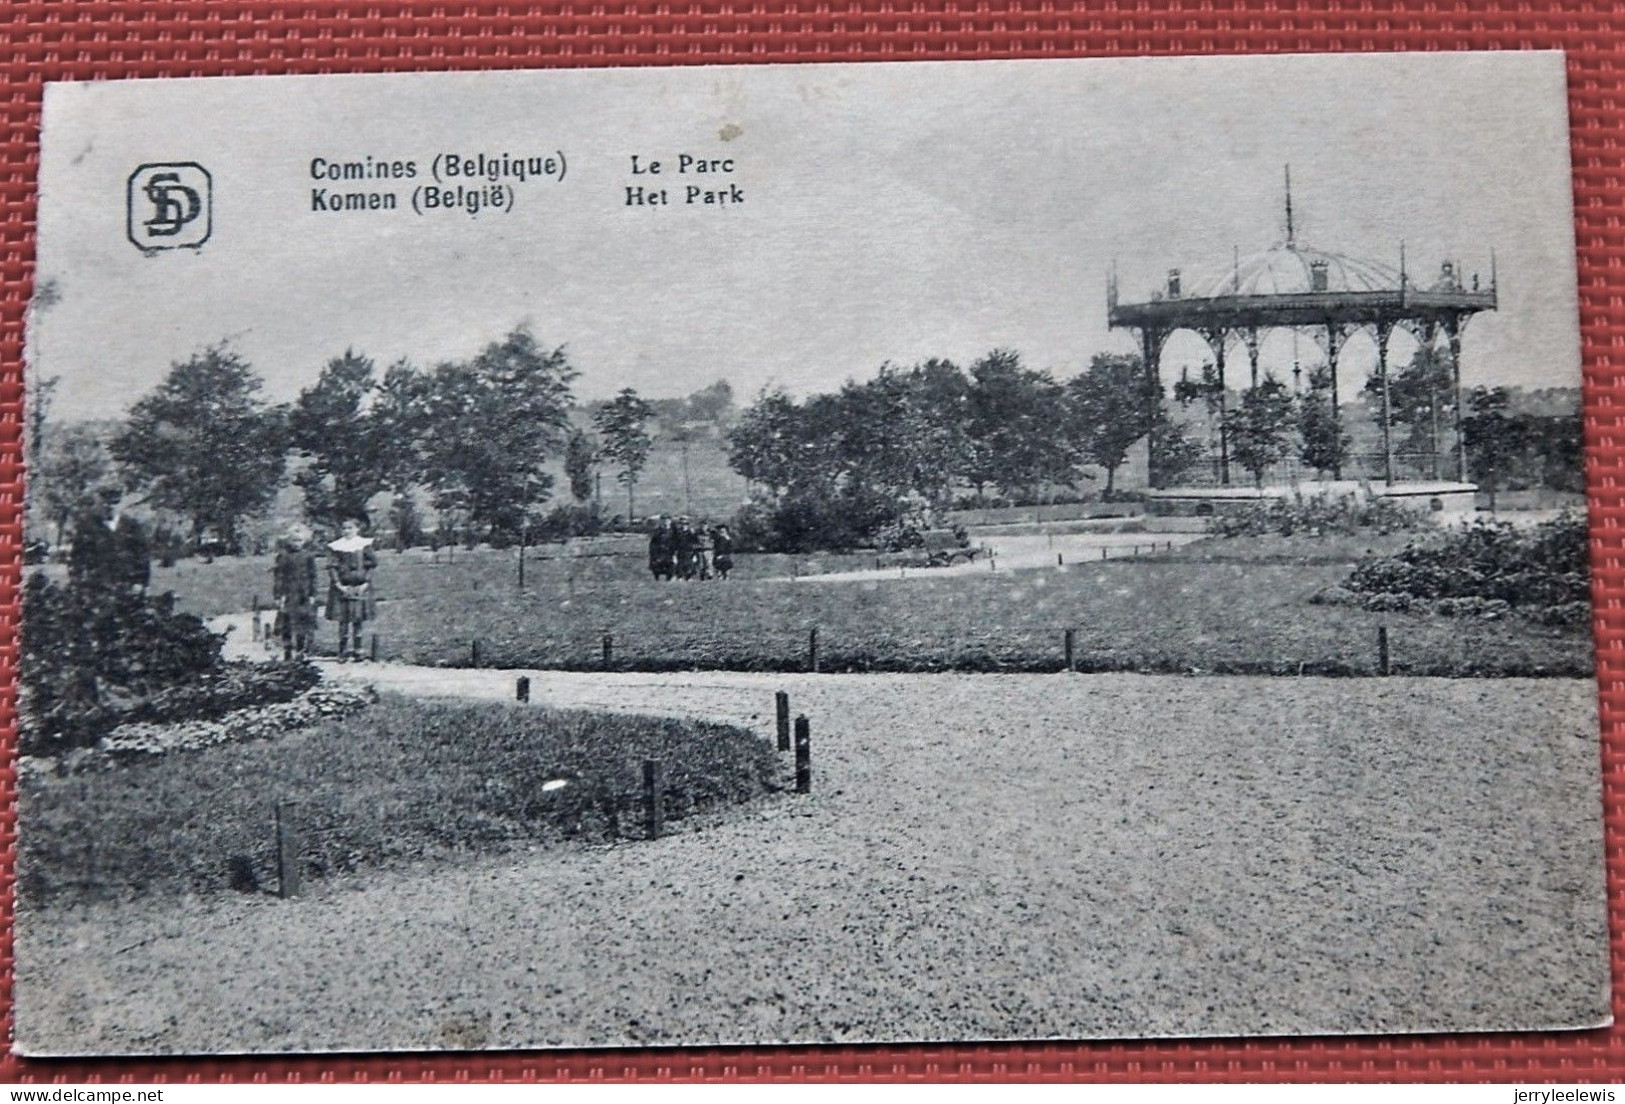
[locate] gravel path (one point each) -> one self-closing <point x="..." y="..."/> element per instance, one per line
<point x="983" y="857"/>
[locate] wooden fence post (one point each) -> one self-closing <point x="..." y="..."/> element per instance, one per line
<point x="1060" y="560"/>
<point x="1071" y="644"/>
<point x="781" y="705"/>
<point x="474" y="653"/>
<point x="1103" y="551"/>
<point x="812" y="649"/>
<point x="372" y="648"/>
<point x="654" y="812"/>
<point x="1382" y="649"/>
<point x="803" y="755"/>
<point x="521" y="690"/>
<point x="287" y="851"/>
<point x="608" y="650"/>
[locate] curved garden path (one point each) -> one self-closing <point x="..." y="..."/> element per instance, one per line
<point x="982" y="857"/>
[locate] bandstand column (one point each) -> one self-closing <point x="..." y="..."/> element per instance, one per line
<point x="1335" y="336"/>
<point x="1216" y="340"/>
<point x="1452" y="329"/>
<point x="1384" y="329"/>
<point x="1251" y="337"/>
<point x="1151" y="351"/>
<point x="1427" y="339"/>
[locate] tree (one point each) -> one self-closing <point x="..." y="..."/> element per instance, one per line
<point x="1260" y="425"/>
<point x="711" y="404"/>
<point x="347" y="463"/>
<point x="400" y="427"/>
<point x="1323" y="444"/>
<point x="486" y="428"/>
<point x="626" y="441"/>
<point x="936" y="428"/>
<point x="1421" y="397"/>
<point x="39" y="395"/>
<point x="1557" y="450"/>
<point x="1177" y="452"/>
<point x="204" y="446"/>
<point x="72" y="467"/>
<point x="580" y="464"/>
<point x="1106" y="411"/>
<point x="403" y="515"/>
<point x="1210" y="392"/>
<point x="1015" y="426"/>
<point x="1496" y="439"/>
<point x="762" y="446"/>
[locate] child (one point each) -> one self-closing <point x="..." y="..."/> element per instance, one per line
<point x="350" y="564"/>
<point x="722" y="554"/>
<point x="293" y="586"/>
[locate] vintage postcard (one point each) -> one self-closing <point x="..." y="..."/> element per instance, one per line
<point x="814" y="554"/>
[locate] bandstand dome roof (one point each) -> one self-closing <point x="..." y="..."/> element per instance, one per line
<point x="1287" y="269"/>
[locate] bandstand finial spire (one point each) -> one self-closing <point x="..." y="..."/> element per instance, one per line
<point x="1289" y="238"/>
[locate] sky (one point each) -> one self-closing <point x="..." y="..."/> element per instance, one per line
<point x="891" y="212"/>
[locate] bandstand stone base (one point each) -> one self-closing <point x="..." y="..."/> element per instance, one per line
<point x="1444" y="497"/>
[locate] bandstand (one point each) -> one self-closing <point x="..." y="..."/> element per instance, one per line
<point x="1330" y="296"/>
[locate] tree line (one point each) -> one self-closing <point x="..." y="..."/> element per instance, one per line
<point x="475" y="436"/>
<point x="834" y="468"/>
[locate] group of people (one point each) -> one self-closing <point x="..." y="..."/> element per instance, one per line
<point x="351" y="561"/>
<point x="680" y="549"/>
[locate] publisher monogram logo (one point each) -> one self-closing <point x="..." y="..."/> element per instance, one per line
<point x="170" y="206"/>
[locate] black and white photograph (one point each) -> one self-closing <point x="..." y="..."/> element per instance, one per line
<point x="842" y="553"/>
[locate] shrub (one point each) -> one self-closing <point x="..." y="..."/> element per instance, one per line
<point x="1390" y="602"/>
<point x="1487" y="608"/>
<point x="899" y="536"/>
<point x="1336" y="596"/>
<point x="1567" y="614"/>
<point x="813" y="520"/>
<point x="1319" y="514"/>
<point x="569" y="520"/>
<point x="1484" y="568"/>
<point x="93" y="656"/>
<point x="752" y="527"/>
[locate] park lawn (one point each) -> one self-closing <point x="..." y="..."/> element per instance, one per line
<point x="1221" y="605"/>
<point x="1158" y="613"/>
<point x="230" y="584"/>
<point x="401" y="781"/>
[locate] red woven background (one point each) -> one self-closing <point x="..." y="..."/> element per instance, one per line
<point x="106" y="39"/>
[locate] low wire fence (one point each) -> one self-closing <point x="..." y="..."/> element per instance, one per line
<point x="1436" y="647"/>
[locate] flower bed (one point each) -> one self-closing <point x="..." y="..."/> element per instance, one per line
<point x="1485" y="569"/>
<point x="319" y="703"/>
<point x="1318" y="515"/>
<point x="140" y="740"/>
<point x="403" y="781"/>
